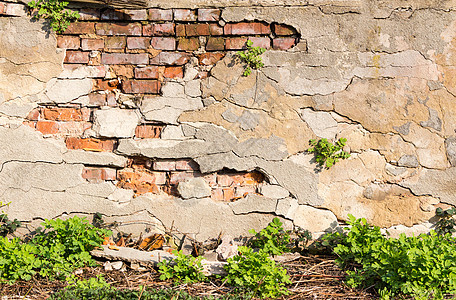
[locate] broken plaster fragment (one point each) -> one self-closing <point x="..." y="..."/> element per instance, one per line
<point x="194" y="188"/>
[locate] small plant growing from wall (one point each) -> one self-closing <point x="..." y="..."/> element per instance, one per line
<point x="251" y="57"/>
<point x="446" y="223"/>
<point x="327" y="153"/>
<point x="55" y="11"/>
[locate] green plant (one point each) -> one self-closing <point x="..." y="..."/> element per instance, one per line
<point x="258" y="273"/>
<point x="273" y="239"/>
<point x="302" y="239"/>
<point x="64" y="245"/>
<point x="184" y="268"/>
<point x="97" y="282"/>
<point x="423" y="266"/>
<point x="7" y="226"/>
<point x="446" y="223"/>
<point x="56" y="12"/>
<point x="327" y="153"/>
<point x="251" y="57"/>
<point x="18" y="261"/>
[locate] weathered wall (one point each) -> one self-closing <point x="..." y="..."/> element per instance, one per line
<point x="144" y="115"/>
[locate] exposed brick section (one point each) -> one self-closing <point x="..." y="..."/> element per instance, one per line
<point x="123" y="70"/>
<point x="138" y="42"/>
<point x="136" y="14"/>
<point x="164" y="165"/>
<point x="163" y="29"/>
<point x="184" y="15"/>
<point x="141" y="86"/>
<point x="149" y="72"/>
<point x="208" y="14"/>
<point x="191" y="44"/>
<point x="242" y="191"/>
<point x="34" y="115"/>
<point x="156" y="14"/>
<point x="62" y="114"/>
<point x="197" y="29"/>
<point x="105" y="85"/>
<point x="148" y="131"/>
<point x="170" y="58"/>
<point x="92" y="44"/>
<point x="263" y="42"/>
<point x="90" y="144"/>
<point x="68" y="42"/>
<point x="174" y="72"/>
<point x="47" y="127"/>
<point x="180" y="30"/>
<point x="76" y="57"/>
<point x="210" y="58"/>
<point x="119" y="29"/>
<point x="99" y="174"/>
<point x="97" y="99"/>
<point x="124" y="59"/>
<point x="215" y="29"/>
<point x="235" y="43"/>
<point x="215" y="44"/>
<point x="140" y="180"/>
<point x="186" y="165"/>
<point x="115" y="42"/>
<point x="163" y="43"/>
<point x="283" y="29"/>
<point x="283" y="43"/>
<point x="80" y="28"/>
<point x="247" y="28"/>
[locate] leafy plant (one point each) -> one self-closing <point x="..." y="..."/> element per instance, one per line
<point x="18" y="261"/>
<point x="251" y="57"/>
<point x="327" y="153"/>
<point x="423" y="267"/>
<point x="302" y="239"/>
<point x="184" y="268"/>
<point x="257" y="272"/>
<point x="97" y="282"/>
<point x="446" y="223"/>
<point x="273" y="239"/>
<point x="56" y="12"/>
<point x="7" y="226"/>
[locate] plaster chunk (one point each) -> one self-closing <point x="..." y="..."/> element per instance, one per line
<point x="115" y="122"/>
<point x="287" y="207"/>
<point x="193" y="88"/>
<point x="94" y="158"/>
<point x="194" y="188"/>
<point x="19" y="107"/>
<point x="173" y="90"/>
<point x="102" y="189"/>
<point x="64" y="91"/>
<point x="274" y="191"/>
<point x="172" y="133"/>
<point x="121" y="195"/>
<point x="314" y="219"/>
<point x="273" y="148"/>
<point x="321" y="123"/>
<point x="254" y="203"/>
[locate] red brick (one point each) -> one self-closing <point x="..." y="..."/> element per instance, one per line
<point x="97" y="99"/>
<point x="123" y="70"/>
<point x="138" y="42"/>
<point x="34" y="114"/>
<point x="196" y="29"/>
<point x="225" y="180"/>
<point x="156" y="14"/>
<point x="186" y="165"/>
<point x="149" y="72"/>
<point x="136" y="14"/>
<point x="164" y="165"/>
<point x="163" y="29"/>
<point x="163" y="43"/>
<point x="141" y="86"/>
<point x="148" y="131"/>
<point x="141" y="180"/>
<point x="215" y="44"/>
<point x="47" y="127"/>
<point x="177" y="177"/>
<point x="217" y="194"/>
<point x="89" y="14"/>
<point x="125" y="58"/>
<point x="246" y="28"/>
<point x="215" y="29"/>
<point x="112" y="14"/>
<point x="208" y="14"/>
<point x="62" y="114"/>
<point x="242" y="191"/>
<point x="180" y="30"/>
<point x="68" y="42"/>
<point x="115" y="42"/>
<point x="99" y="174"/>
<point x="283" y="43"/>
<point x="89" y="144"/>
<point x="119" y="29"/>
<point x="2" y="7"/>
<point x="184" y="15"/>
<point x="191" y="44"/>
<point x="92" y="44"/>
<point x="170" y="58"/>
<point x="76" y="57"/>
<point x="210" y="58"/>
<point x="263" y="42"/>
<point x="105" y="85"/>
<point x="80" y="28"/>
<point x="174" y="72"/>
<point x="17" y="10"/>
<point x="228" y="194"/>
<point x="235" y="43"/>
<point x="283" y="29"/>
